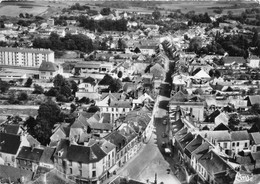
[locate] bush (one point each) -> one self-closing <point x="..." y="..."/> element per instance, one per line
<point x="22" y="96"/>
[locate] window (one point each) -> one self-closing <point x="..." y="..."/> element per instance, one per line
<point x="113" y="154"/>
<point x="80" y="172"/>
<point x="233" y="144"/>
<point x="80" y="165"/>
<point x="225" y="145"/>
<point x="70" y="163"/>
<point x="246" y="145"/>
<point x="93" y="165"/>
<point x="93" y="173"/>
<point x="70" y="170"/>
<point x="237" y="143"/>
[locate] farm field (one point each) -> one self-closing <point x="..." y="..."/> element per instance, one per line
<point x="14" y="10"/>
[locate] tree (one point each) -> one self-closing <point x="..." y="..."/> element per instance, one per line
<point x="105" y="11"/>
<point x="107" y="79"/>
<point x="255" y="108"/>
<point x="255" y="38"/>
<point x="121" y="44"/>
<point x="58" y="81"/>
<point x="37" y="89"/>
<point x="120" y="74"/>
<point x="22" y="96"/>
<point x="156" y="15"/>
<point x="30" y="123"/>
<point x="93" y="109"/>
<point x="233" y="121"/>
<point x="29" y="82"/>
<point x="49" y="111"/>
<point x="195" y="44"/>
<point x="74" y="87"/>
<point x="115" y="85"/>
<point x="21" y="15"/>
<point x="4" y="86"/>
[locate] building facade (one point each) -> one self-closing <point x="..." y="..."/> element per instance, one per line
<point x="25" y="57"/>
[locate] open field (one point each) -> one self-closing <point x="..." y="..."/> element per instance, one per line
<point x="47" y="8"/>
<point x="14" y="9"/>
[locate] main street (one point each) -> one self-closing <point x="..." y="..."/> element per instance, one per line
<point x="150" y="161"/>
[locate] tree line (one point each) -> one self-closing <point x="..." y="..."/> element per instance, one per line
<point x="69" y="42"/>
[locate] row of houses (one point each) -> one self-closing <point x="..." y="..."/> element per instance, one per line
<point x="88" y="150"/>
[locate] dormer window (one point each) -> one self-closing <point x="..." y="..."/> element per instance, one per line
<point x="60" y="153"/>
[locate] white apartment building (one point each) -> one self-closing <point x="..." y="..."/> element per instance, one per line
<point x="25" y="57"/>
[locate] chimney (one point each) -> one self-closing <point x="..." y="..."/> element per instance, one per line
<point x="211" y="155"/>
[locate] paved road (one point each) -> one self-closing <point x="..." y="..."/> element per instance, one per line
<point x="150" y="160"/>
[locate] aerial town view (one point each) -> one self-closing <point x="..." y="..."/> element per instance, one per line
<point x="130" y="92"/>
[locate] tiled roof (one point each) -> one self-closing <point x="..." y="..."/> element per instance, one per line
<point x="216" y="135"/>
<point x="193" y="145"/>
<point x="120" y="104"/>
<point x="213" y="163"/>
<point x="230" y="60"/>
<point x="9" y="143"/>
<point x="112" y="96"/>
<point x="256" y="155"/>
<point x="29" y="153"/>
<point x="186" y="140"/>
<point x="84" y="154"/>
<point x="201" y="150"/>
<point x="107" y="146"/>
<point x="48" y="66"/>
<point x="101" y="126"/>
<point x="47" y="155"/>
<point x="254" y="99"/>
<point x="239" y="135"/>
<point x="116" y="138"/>
<point x="255" y="137"/>
<point x="11" y="129"/>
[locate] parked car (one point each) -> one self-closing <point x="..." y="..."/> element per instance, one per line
<point x="164" y="134"/>
<point x="165" y="122"/>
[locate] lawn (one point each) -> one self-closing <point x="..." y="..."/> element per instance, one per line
<point x="15" y="10"/>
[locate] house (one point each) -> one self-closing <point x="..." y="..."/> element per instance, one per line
<point x="80" y="130"/>
<point x="8" y="24"/>
<point x="12" y="129"/>
<point x="255" y="141"/>
<point x="47" y="159"/>
<point x="229" y="61"/>
<point x="120" y="141"/>
<point x="49" y="70"/>
<point x="193" y="145"/>
<point x="110" y="150"/>
<point x="256" y="159"/>
<point x="181" y="141"/>
<point x="198" y="153"/>
<point x="158" y="71"/>
<point x="195" y="108"/>
<point x="252" y="99"/>
<point x="10" y="145"/>
<point x="222" y="118"/>
<point x="221" y="139"/>
<point x="60" y="132"/>
<point x="210" y="164"/>
<point x="254" y="61"/>
<point x="79" y="162"/>
<point x="147" y="49"/>
<point x="114" y="104"/>
<point x="240" y="140"/>
<point x="29" y="158"/>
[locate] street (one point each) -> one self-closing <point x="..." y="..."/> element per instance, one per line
<point x="150" y="161"/>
